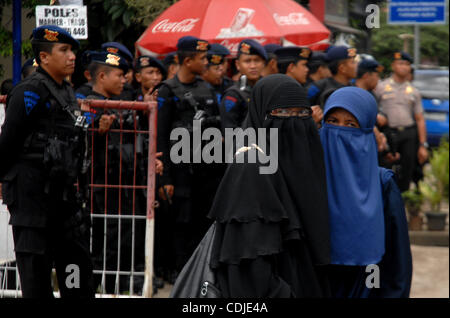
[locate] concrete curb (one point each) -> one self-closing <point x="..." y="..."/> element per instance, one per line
<point x="429" y="238"/>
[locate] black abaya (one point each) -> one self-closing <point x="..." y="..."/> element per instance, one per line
<point x="272" y="232"/>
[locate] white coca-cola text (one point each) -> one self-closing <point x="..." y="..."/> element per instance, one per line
<point x="183" y="26"/>
<point x="294" y="18"/>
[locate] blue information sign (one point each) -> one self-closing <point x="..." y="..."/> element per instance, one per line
<point x="416" y="11"/>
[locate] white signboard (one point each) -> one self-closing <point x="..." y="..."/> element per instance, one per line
<point x="71" y="18"/>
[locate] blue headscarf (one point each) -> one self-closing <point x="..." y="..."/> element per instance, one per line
<point x="354" y="188"/>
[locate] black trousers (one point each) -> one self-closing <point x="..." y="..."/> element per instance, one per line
<point x="405" y="142"/>
<point x="38" y="250"/>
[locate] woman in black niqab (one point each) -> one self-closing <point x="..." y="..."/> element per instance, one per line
<point x="272" y="231"/>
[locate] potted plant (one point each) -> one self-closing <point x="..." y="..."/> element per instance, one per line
<point x="413" y="200"/>
<point x="434" y="186"/>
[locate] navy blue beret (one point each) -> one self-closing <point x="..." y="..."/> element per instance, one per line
<point x="293" y="53"/>
<point x="192" y="44"/>
<point x="271" y="48"/>
<point x="53" y="34"/>
<point x="109" y="59"/>
<point x="340" y="53"/>
<point x="251" y="47"/>
<point x="318" y="58"/>
<point x="118" y="48"/>
<point x="149" y="61"/>
<point x="370" y="65"/>
<point x="403" y="56"/>
<point x="29" y="63"/>
<point x="219" y="49"/>
<point x="170" y="59"/>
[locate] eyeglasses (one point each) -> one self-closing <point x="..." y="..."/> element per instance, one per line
<point x="287" y="112"/>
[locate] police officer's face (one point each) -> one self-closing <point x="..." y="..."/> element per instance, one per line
<point x="149" y="77"/>
<point x="113" y="81"/>
<point x="299" y="71"/>
<point x="341" y="117"/>
<point x="60" y="62"/>
<point x="214" y="74"/>
<point x="251" y="66"/>
<point x="349" y="68"/>
<point x="372" y="79"/>
<point x="324" y="71"/>
<point x="401" y="68"/>
<point x="198" y="64"/>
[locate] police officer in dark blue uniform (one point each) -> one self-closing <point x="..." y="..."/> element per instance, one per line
<point x="191" y="186"/>
<point x="271" y="65"/>
<point x="85" y="89"/>
<point x="343" y="67"/>
<point x="149" y="72"/>
<point x="215" y="72"/>
<point x="250" y="62"/>
<point x="170" y="62"/>
<point x="121" y="50"/>
<point x="28" y="67"/>
<point x="318" y="68"/>
<point x="44" y="138"/>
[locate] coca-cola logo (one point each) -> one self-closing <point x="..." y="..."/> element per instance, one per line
<point x="294" y="18"/>
<point x="183" y="26"/>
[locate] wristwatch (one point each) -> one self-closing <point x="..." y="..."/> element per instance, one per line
<point x="424" y="144"/>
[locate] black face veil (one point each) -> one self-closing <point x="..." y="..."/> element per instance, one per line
<point x="258" y="213"/>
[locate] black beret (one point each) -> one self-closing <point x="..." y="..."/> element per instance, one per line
<point x="170" y="59"/>
<point x="219" y="49"/>
<point x="251" y="47"/>
<point x="118" y="48"/>
<point x="53" y="34"/>
<point x="370" y="65"/>
<point x="293" y="53"/>
<point x="109" y="59"/>
<point x="403" y="56"/>
<point x="192" y="44"/>
<point x="271" y="48"/>
<point x="340" y="53"/>
<point x="149" y="61"/>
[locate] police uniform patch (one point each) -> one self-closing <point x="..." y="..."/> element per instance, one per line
<point x="202" y="46"/>
<point x="160" y="102"/>
<point x="112" y="59"/>
<point x="408" y="90"/>
<point x="112" y="50"/>
<point x="50" y="35"/>
<point x="145" y="61"/>
<point x="80" y="96"/>
<point x="30" y="99"/>
<point x="312" y="91"/>
<point x="351" y="52"/>
<point x="216" y="59"/>
<point x="245" y="48"/>
<point x="230" y="102"/>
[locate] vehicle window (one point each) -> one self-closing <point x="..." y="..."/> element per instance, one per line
<point x="432" y="85"/>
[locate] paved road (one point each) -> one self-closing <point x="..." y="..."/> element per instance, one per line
<point x="430" y="273"/>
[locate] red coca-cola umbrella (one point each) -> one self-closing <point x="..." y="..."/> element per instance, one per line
<point x="229" y="21"/>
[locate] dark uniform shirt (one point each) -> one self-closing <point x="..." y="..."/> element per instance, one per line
<point x="28" y="106"/>
<point x="234" y="106"/>
<point x="174" y="111"/>
<point x="319" y="91"/>
<point x="83" y="91"/>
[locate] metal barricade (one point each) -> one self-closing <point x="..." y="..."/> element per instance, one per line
<point x="121" y="203"/>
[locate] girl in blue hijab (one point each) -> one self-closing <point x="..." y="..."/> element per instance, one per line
<point x="367" y="218"/>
